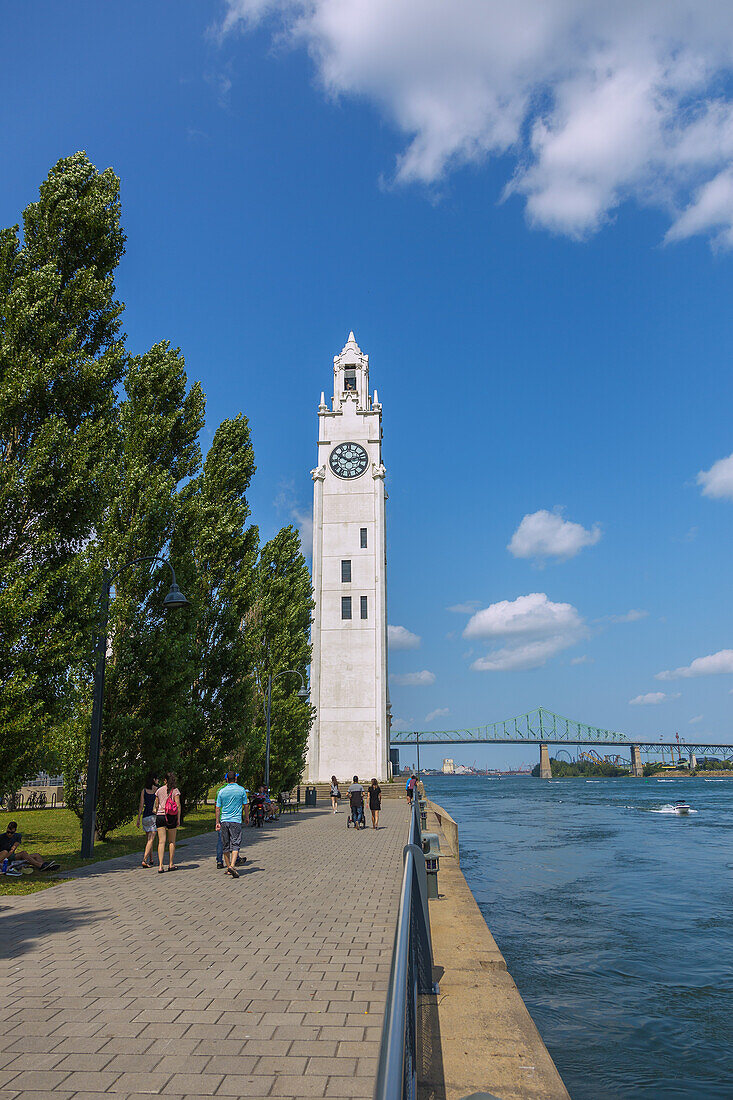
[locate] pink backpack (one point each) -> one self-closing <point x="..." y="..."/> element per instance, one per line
<point x="171" y="809"/>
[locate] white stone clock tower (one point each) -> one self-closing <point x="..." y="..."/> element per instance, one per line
<point x="350" y="732"/>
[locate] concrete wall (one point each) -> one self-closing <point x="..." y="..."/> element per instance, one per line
<point x="449" y="827"/>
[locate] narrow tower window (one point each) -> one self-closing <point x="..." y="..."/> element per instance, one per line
<point x="346" y="607"/>
<point x="363" y="537"/>
<point x="363" y="600"/>
<point x="345" y="572"/>
<point x="350" y="379"/>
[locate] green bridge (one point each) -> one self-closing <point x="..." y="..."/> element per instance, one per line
<point x="543" y="727"/>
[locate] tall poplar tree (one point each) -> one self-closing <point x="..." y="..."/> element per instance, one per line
<point x="279" y="633"/>
<point x="219" y="546"/>
<point x="61" y="354"/>
<point x="149" y="662"/>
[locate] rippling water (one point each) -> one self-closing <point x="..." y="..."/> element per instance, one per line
<point x="616" y="923"/>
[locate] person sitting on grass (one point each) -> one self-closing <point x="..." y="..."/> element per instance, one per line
<point x="10" y="842"/>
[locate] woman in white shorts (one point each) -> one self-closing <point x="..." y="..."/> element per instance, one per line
<point x="146" y="814"/>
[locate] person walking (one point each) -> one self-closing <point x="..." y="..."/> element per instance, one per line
<point x="356" y="801"/>
<point x="411" y="785"/>
<point x="167" y="809"/>
<point x="231" y="804"/>
<point x="375" y="802"/>
<point x="335" y="794"/>
<point x="146" y="814"/>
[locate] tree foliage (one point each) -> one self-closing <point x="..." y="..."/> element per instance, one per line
<point x="150" y="664"/>
<point x="278" y="632"/>
<point x="61" y="355"/>
<point x="564" y="769"/>
<point x="216" y="548"/>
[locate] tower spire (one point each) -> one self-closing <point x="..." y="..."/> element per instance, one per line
<point x="351" y="344"/>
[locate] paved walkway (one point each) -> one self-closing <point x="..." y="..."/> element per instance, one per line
<point x="125" y="983"/>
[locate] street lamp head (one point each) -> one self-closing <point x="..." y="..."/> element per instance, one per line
<point x="303" y="693"/>
<point x="175" y="598"/>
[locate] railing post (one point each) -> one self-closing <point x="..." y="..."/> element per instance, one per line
<point x="421" y="915"/>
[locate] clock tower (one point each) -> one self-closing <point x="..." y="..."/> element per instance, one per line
<point x="350" y="732"/>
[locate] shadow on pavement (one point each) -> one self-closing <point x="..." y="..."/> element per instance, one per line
<point x="21" y="931"/>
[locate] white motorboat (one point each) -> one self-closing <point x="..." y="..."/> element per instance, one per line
<point x="681" y="807"/>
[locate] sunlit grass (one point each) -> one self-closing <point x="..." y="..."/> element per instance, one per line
<point x="56" y="834"/>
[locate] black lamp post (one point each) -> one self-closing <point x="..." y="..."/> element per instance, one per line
<point x="302" y="694"/>
<point x="174" y="599"/>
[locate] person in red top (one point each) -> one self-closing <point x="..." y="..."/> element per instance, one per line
<point x="167" y="811"/>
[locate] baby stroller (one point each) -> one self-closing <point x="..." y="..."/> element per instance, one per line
<point x="356" y="816"/>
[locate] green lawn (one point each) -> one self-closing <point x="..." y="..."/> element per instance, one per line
<point x="56" y="834"/>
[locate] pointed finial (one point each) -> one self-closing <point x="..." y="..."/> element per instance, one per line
<point x="352" y="338"/>
<point x="376" y="398"/>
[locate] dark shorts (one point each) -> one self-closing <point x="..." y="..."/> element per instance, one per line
<point x="160" y="821"/>
<point x="231" y="835"/>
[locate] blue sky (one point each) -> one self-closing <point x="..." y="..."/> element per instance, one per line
<point x="563" y="348"/>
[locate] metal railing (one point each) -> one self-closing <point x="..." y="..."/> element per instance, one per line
<point x="410" y="975"/>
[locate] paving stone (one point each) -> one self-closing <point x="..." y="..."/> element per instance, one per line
<point x="350" y="1086"/>
<point x="297" y="1087"/>
<point x="198" y="1084"/>
<point x="220" y="1048"/>
<point x="97" y="1081"/>
<point x="237" y="1084"/>
<point x="141" y="1083"/>
<point x="281" y="1064"/>
<point x="48" y="1079"/>
<point x="127" y="1045"/>
<point x="40" y="1061"/>
<point x="134" y="1063"/>
<point x="323" y="1048"/>
<point x="183" y="1063"/>
<point x="270" y="1048"/>
<point x="72" y="1062"/>
<point x="340" y="1067"/>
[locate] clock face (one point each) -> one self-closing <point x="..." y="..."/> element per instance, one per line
<point x="348" y="460"/>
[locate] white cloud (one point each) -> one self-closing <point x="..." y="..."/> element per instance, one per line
<point x="713" y="665"/>
<point x="466" y="608"/>
<point x="399" y="637"/>
<point x="413" y="679"/>
<point x="717" y="482"/>
<point x="651" y="699"/>
<point x="631" y="616"/>
<point x="532" y="628"/>
<point x="594" y="103"/>
<point x="584" y="660"/>
<point x="441" y="712"/>
<point x="698" y="718"/>
<point x="546" y="534"/>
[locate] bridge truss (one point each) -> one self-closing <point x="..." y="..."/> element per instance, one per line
<point x="542" y="726"/>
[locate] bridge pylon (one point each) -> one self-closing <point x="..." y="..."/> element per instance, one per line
<point x="545" y="769"/>
<point x="637" y="770"/>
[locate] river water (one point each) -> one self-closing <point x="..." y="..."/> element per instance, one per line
<point x="615" y="917"/>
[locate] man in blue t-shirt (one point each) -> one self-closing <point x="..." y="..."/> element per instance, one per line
<point x="231" y="804"/>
